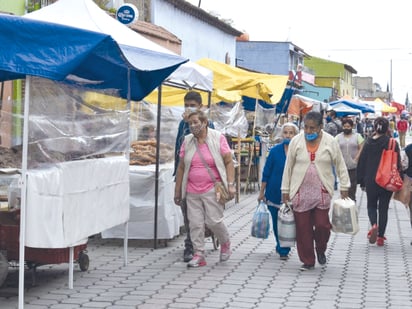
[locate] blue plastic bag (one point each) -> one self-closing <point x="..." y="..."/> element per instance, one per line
<point x="261" y="221"/>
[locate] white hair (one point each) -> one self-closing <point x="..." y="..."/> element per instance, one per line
<point x="291" y="124"/>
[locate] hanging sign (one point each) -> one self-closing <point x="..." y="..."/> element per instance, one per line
<point x="127" y="14"/>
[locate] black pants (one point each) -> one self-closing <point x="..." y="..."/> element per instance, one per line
<point x="188" y="240"/>
<point x="378" y="202"/>
<point x="353" y="184"/>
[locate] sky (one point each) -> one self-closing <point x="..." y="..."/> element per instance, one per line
<point x="371" y="36"/>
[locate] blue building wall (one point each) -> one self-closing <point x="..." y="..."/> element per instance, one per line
<point x="316" y="92"/>
<point x="266" y="57"/>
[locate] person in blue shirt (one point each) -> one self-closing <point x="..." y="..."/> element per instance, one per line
<point x="272" y="180"/>
<point x="193" y="102"/>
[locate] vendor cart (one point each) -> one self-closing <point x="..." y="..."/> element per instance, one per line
<point x="9" y="248"/>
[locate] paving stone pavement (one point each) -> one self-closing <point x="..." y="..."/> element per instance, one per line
<point x="356" y="275"/>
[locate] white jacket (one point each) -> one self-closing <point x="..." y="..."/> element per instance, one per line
<point x="298" y="161"/>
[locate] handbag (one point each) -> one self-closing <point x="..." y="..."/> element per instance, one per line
<point x="222" y="194"/>
<point x="286" y="226"/>
<point x="388" y="176"/>
<point x="404" y="194"/>
<point x="345" y="217"/>
<point x="261" y="221"/>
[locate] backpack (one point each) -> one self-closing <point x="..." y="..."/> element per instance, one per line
<point x="332" y="128"/>
<point x="338" y="127"/>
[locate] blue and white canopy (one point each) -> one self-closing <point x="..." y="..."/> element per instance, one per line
<point x="65" y="53"/>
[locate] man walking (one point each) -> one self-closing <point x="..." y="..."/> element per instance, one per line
<point x="402" y="127"/>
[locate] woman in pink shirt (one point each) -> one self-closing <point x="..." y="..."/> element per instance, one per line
<point x="205" y="158"/>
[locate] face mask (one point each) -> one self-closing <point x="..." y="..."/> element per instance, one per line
<point x="189" y="110"/>
<point x="347" y="131"/>
<point x="311" y="137"/>
<point x="286" y="141"/>
<point x="196" y="129"/>
<point x="328" y="118"/>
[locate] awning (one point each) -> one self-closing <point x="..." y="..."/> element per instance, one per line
<point x="356" y="105"/>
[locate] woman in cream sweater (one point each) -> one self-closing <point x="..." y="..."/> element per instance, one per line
<point x="308" y="183"/>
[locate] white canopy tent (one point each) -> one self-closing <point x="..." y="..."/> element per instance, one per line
<point x="342" y="109"/>
<point x="85" y="14"/>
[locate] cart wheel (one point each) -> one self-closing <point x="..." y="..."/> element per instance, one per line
<point x="215" y="242"/>
<point x="83" y="261"/>
<point x="4" y="269"/>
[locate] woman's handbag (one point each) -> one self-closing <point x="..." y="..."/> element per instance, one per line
<point x="404" y="194"/>
<point x="345" y="217"/>
<point x="261" y="221"/>
<point x="222" y="194"/>
<point x="286" y="226"/>
<point x="388" y="176"/>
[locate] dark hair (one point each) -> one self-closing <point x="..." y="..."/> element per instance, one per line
<point x="347" y="120"/>
<point x="315" y="116"/>
<point x="193" y="96"/>
<point x="332" y="113"/>
<point x="381" y="125"/>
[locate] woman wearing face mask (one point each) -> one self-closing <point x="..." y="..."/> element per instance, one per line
<point x="193" y="102"/>
<point x="308" y="183"/>
<point x="378" y="198"/>
<point x="350" y="144"/>
<point x="205" y="157"/>
<point x="272" y="178"/>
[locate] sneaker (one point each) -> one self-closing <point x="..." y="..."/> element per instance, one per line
<point x="373" y="233"/>
<point x="225" y="251"/>
<point x="305" y="267"/>
<point x="187" y="254"/>
<point x="284" y="257"/>
<point x="380" y="241"/>
<point x="197" y="261"/>
<point x="321" y="258"/>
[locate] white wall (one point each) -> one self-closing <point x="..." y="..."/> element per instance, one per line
<point x="199" y="39"/>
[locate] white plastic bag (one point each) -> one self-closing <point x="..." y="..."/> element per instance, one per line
<point x="286" y="226"/>
<point x="261" y="221"/>
<point x="404" y="160"/>
<point x="345" y="217"/>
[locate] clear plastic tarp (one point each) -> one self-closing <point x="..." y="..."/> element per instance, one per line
<point x="66" y="123"/>
<point x="143" y="133"/>
<point x="230" y="119"/>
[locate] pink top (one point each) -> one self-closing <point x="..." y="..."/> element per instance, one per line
<point x="199" y="180"/>
<point x="312" y="192"/>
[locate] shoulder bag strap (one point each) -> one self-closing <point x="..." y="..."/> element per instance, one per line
<point x="205" y="163"/>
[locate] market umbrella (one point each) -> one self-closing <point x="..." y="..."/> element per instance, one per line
<point x="356" y="105"/>
<point x="343" y="110"/>
<point x="399" y="107"/>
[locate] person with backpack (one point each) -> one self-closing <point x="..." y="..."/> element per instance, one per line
<point x="333" y="125"/>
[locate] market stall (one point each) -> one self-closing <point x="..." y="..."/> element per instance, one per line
<point x="86" y="14"/>
<point x="143" y="177"/>
<point x="142" y="195"/>
<point x="65" y="163"/>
